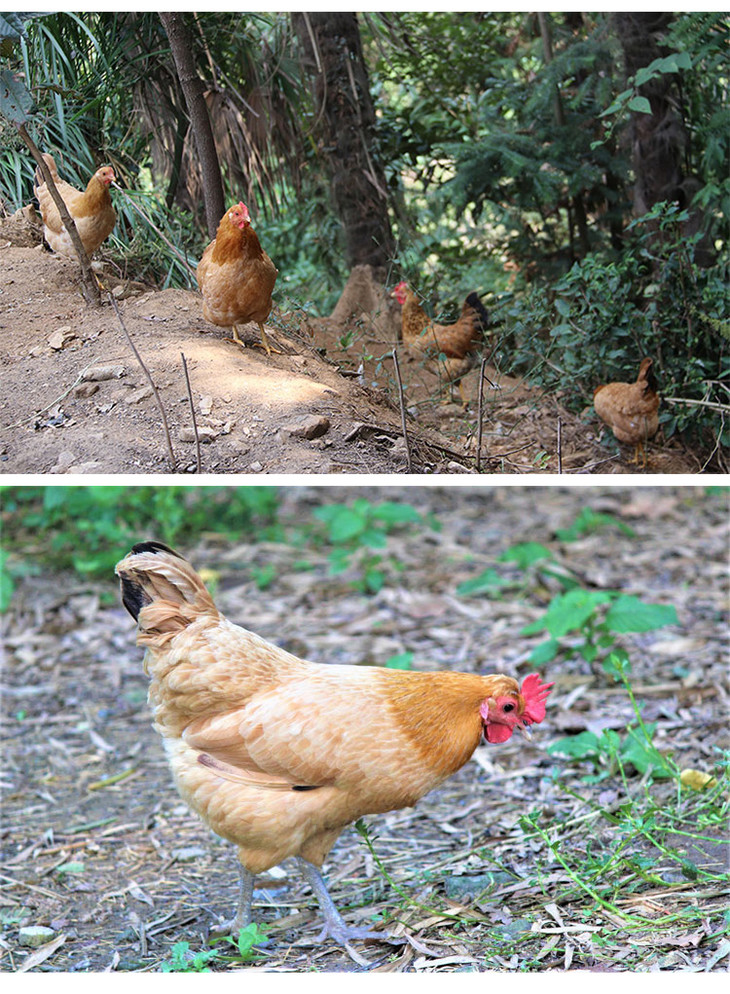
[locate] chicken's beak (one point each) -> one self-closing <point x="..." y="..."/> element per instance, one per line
<point x="524" y="732"/>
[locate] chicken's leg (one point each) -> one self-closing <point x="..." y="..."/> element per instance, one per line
<point x="335" y="927"/>
<point x="243" y="916"/>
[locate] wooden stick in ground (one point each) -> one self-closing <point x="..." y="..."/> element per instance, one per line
<point x="560" y="445"/>
<point x="170" y="453"/>
<point x="480" y="412"/>
<point x="402" y="411"/>
<point x="192" y="412"/>
<point x="90" y="287"/>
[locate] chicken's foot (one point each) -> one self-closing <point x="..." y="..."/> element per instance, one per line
<point x="335" y="926"/>
<point x="264" y="340"/>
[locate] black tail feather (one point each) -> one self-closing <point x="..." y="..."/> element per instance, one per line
<point x="474" y="302"/>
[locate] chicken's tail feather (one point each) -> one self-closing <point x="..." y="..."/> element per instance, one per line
<point x="162" y="592"/>
<point x="482" y="318"/>
<point x="39" y="181"/>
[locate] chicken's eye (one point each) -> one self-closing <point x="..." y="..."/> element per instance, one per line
<point x="508" y="707"/>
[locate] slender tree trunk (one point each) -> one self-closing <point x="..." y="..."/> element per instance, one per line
<point x="346" y="122"/>
<point x="192" y="86"/>
<point x="579" y="210"/>
<point x="657" y="139"/>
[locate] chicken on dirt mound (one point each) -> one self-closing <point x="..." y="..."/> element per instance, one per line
<point x="236" y="277"/>
<point x="452" y="346"/>
<point x="278" y="755"/>
<point x="91" y="209"/>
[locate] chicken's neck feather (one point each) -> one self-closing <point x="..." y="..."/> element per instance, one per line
<point x="232" y="243"/>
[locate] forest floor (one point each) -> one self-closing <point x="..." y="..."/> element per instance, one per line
<point x="524" y="861"/>
<point x="75" y="399"/>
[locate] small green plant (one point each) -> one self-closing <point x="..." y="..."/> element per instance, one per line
<point x="611" y="751"/>
<point x="356" y="529"/>
<point x="183" y="960"/>
<point x="590" y="521"/>
<point x="592" y="619"/>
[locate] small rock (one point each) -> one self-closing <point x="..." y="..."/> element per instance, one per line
<point x="138" y="395"/>
<point x="313" y="427"/>
<point x="188" y="854"/>
<point x="86" y="389"/>
<point x="61" y="338"/>
<point x="255" y="467"/>
<point x="205" y="434"/>
<point x="205" y="406"/>
<point x="103" y="373"/>
<point x="35" y="936"/>
<point x="65" y="459"/>
<point x="458" y="888"/>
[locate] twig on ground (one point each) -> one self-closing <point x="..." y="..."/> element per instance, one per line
<point x="171" y="454"/>
<point x="402" y="400"/>
<point x="480" y="413"/>
<point x="560" y="445"/>
<point x="192" y="412"/>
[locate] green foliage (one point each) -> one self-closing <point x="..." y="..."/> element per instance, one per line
<point x="400" y="662"/>
<point x="90" y="528"/>
<point x="590" y="521"/>
<point x="184" y="960"/>
<point x="355" y="529"/>
<point x="601" y="318"/>
<point x="591" y="618"/>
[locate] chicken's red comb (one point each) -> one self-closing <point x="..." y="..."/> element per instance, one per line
<point x="535" y="693"/>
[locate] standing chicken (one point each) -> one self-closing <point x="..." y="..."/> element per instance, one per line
<point x="91" y="210"/>
<point x="278" y="755"/>
<point x="452" y="346"/>
<point x="630" y="409"/>
<point x="236" y="276"/>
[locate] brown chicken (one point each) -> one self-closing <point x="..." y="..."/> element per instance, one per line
<point x="278" y="755"/>
<point x="91" y="210"/>
<point x="236" y="276"/>
<point x="452" y="346"/>
<point x="630" y="409"/>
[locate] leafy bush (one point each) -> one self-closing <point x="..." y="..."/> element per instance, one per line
<point x="90" y="528"/>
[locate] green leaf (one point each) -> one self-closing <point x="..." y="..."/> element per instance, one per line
<point x="545" y="652"/>
<point x="400" y="662"/>
<point x="640" y="105"/>
<point x="395" y="514"/>
<point x="629" y="614"/>
<point x="525" y="554"/>
<point x="16" y="103"/>
<point x="580" y="746"/>
<point x="570" y="611"/>
<point x="488" y="580"/>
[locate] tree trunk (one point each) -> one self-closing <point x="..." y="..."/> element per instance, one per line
<point x="192" y="86"/>
<point x="657" y="139"/>
<point x="346" y="122"/>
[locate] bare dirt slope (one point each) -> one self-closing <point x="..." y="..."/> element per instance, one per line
<point x="75" y="399"/>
